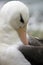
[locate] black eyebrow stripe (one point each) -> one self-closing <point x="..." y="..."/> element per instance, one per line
<point x="21" y="19"/>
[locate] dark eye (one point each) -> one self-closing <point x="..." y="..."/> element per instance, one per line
<point x="21" y="19"/>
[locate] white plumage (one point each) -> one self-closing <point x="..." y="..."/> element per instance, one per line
<point x="10" y="12"/>
<point x="10" y="18"/>
<point x="10" y="55"/>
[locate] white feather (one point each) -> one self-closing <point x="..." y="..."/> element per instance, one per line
<point x="10" y="13"/>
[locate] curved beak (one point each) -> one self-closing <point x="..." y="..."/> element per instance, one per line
<point x="22" y="35"/>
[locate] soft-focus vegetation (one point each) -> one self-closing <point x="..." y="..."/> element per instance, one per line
<point x="36" y="33"/>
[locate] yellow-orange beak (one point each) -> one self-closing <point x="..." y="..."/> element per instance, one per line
<point x="22" y="35"/>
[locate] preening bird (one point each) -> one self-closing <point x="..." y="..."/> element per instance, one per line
<point x="14" y="14"/>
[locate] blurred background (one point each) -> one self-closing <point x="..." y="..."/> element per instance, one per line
<point x="35" y="24"/>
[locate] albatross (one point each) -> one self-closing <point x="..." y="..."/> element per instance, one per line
<point x="14" y="14"/>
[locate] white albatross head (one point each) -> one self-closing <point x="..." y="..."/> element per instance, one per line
<point x="16" y="14"/>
